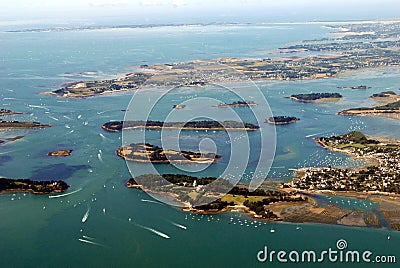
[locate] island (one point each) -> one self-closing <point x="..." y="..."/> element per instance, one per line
<point x="60" y="153"/>
<point x="117" y="126"/>
<point x="317" y="97"/>
<point x="282" y="120"/>
<point x="386" y="97"/>
<point x="179" y="106"/>
<point x="390" y="108"/>
<point x="4" y="112"/>
<point x="356" y="87"/>
<point x="144" y="152"/>
<point x="326" y="59"/>
<point x="378" y="181"/>
<point x="21" y="125"/>
<point x="236" y="104"/>
<point x="35" y="187"/>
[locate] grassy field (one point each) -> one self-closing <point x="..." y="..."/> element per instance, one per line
<point x="239" y="199"/>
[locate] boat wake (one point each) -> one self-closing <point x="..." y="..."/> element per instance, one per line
<point x="52" y="117"/>
<point x="154" y="231"/>
<point x="37" y="106"/>
<point x="179" y="225"/>
<point x="62" y="195"/>
<point x="152" y="201"/>
<point x="89" y="240"/>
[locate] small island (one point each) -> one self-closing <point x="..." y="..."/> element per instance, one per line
<point x="282" y="120"/>
<point x="60" y="153"/>
<point x="179" y="106"/>
<point x="4" y="112"/>
<point x="386" y="97"/>
<point x="236" y="104"/>
<point x="117" y="126"/>
<point x="144" y="152"/>
<point x="391" y="109"/>
<point x="317" y="97"/>
<point x="34" y="187"/>
<point x="21" y="125"/>
<point x="355" y="87"/>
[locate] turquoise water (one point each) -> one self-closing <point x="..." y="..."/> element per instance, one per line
<point x="37" y="231"/>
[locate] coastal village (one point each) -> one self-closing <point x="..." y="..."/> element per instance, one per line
<point x="382" y="175"/>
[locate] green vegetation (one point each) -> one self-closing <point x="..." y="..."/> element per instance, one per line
<point x="282" y="120"/>
<point x="383" y="94"/>
<point x="237" y="103"/>
<point x="36" y="187"/>
<point x="116" y="126"/>
<point x="17" y="124"/>
<point x="351" y="138"/>
<point x="315" y="96"/>
<point x="144" y="152"/>
<point x="198" y="190"/>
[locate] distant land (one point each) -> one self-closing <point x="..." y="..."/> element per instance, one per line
<point x="337" y="57"/>
<point x="116" y="126"/>
<point x="144" y="152"/>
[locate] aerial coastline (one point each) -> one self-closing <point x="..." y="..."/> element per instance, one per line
<point x="343" y="56"/>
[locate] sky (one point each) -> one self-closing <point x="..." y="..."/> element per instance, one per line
<point x="191" y="11"/>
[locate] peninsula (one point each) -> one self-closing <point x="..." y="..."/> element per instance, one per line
<point x="117" y="126"/>
<point x="379" y="180"/>
<point x="266" y="203"/>
<point x="317" y="97"/>
<point x="282" y="120"/>
<point x="144" y="152"/>
<point x="191" y="191"/>
<point x="35" y="187"/>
